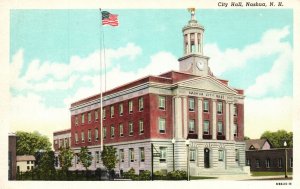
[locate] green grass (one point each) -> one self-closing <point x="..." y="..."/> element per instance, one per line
<point x="201" y="177"/>
<point x="254" y="173"/>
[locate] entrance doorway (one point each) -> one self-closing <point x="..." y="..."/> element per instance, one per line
<point x="206" y="158"/>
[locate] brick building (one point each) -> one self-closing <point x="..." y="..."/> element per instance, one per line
<point x="190" y="103"/>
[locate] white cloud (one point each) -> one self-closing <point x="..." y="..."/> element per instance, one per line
<point x="267" y="114"/>
<point x="16" y="66"/>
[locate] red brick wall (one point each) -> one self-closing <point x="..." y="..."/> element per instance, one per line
<point x="239" y="119"/>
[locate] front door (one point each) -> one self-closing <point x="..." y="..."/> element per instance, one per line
<point x="206" y="157"/>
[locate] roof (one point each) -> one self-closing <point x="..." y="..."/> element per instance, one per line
<point x="256" y="144"/>
<point x="26" y="158"/>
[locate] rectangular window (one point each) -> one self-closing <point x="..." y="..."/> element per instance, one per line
<point x="192" y="155"/>
<point x="82" y="118"/>
<point x="141" y="104"/>
<point x="131" y="155"/>
<point x="96" y="115"/>
<point x="28" y="162"/>
<point x="112" y="131"/>
<point x="235" y="110"/>
<point x="76" y="120"/>
<point x="141" y="126"/>
<point x="191" y="126"/>
<point x="112" y="111"/>
<point x="267" y="163"/>
<point x="89" y="135"/>
<point x="163" y="154"/>
<point x="96" y="134"/>
<point x="89" y="117"/>
<point x="130" y="125"/>
<point x="220" y="128"/>
<point x="121" y="129"/>
<point x="257" y="163"/>
<point x="280" y="162"/>
<point x="162" y="102"/>
<point x="121" y="109"/>
<point x="206" y="105"/>
<point x="82" y="136"/>
<point x="291" y="162"/>
<point x="220" y="107"/>
<point x="142" y="154"/>
<point x="121" y="155"/>
<point x="60" y="143"/>
<point x="28" y="168"/>
<point x="221" y="155"/>
<point x="162" y="125"/>
<point x="235" y="129"/>
<point x="237" y="155"/>
<point x="104" y="113"/>
<point x="66" y="142"/>
<point x="130" y="106"/>
<point x="97" y="156"/>
<point x="191" y="104"/>
<point x="104" y="132"/>
<point x="206" y="127"/>
<point x="76" y="138"/>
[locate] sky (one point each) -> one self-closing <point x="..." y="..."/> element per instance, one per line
<point x="54" y="59"/>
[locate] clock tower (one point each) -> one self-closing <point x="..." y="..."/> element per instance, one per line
<point x="193" y="61"/>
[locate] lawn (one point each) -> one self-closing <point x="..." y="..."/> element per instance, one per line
<point x="254" y="173"/>
<point x="201" y="177"/>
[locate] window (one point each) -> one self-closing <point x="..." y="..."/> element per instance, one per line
<point x="89" y="117"/>
<point x="28" y="168"/>
<point x="60" y="143"/>
<point x="131" y="155"/>
<point x="121" y="155"/>
<point x="141" y="126"/>
<point x="163" y="154"/>
<point x="162" y="102"/>
<point x="89" y="135"/>
<point x="66" y="142"/>
<point x="141" y="104"/>
<point x="221" y="155"/>
<point x="268" y="163"/>
<point x="121" y="109"/>
<point x="96" y="134"/>
<point x="96" y="115"/>
<point x="104" y="113"/>
<point x="192" y="155"/>
<point x="162" y="125"/>
<point x="191" y="126"/>
<point x="237" y="155"/>
<point x="248" y="162"/>
<point x="130" y="128"/>
<point x="55" y="141"/>
<point x="130" y="106"/>
<point x="76" y="120"/>
<point x="121" y="129"/>
<point x="235" y="129"/>
<point x="206" y="105"/>
<point x="28" y="162"/>
<point x="220" y="107"/>
<point x="142" y="154"/>
<point x="82" y="118"/>
<point x="104" y="132"/>
<point x="191" y="104"/>
<point x="112" y="111"/>
<point x="206" y="127"/>
<point x="291" y="162"/>
<point x="235" y="110"/>
<point x="76" y="138"/>
<point x="82" y="136"/>
<point x="97" y="156"/>
<point x="220" y="128"/>
<point x="257" y="163"/>
<point x="112" y="131"/>
<point x="280" y="162"/>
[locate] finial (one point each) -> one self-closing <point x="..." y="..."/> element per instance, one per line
<point x="192" y="11"/>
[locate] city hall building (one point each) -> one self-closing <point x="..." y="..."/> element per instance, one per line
<point x="165" y="110"/>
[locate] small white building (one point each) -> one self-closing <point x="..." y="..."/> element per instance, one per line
<point x="25" y="163"/>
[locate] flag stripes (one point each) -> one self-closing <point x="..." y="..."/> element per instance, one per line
<point x="109" y="19"/>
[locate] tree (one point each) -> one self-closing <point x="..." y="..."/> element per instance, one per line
<point x="29" y="143"/>
<point x="277" y="138"/>
<point x="65" y="158"/>
<point x="246" y="138"/>
<point x="45" y="167"/>
<point x="109" y="158"/>
<point x="85" y="158"/>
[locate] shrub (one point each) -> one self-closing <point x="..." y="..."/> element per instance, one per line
<point x="145" y="175"/>
<point x="176" y="175"/>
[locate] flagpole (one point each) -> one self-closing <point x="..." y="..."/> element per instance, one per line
<point x="101" y="95"/>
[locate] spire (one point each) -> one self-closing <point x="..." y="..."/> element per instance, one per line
<point x="192" y="11"/>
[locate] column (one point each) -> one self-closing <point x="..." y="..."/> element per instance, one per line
<point x="196" y="43"/>
<point x="214" y="122"/>
<point x="178" y="118"/>
<point x="185" y="121"/>
<point x="227" y="127"/>
<point x="200" y="118"/>
<point x="189" y="43"/>
<point x="231" y="121"/>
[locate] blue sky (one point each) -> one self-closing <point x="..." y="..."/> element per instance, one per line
<point x="54" y="57"/>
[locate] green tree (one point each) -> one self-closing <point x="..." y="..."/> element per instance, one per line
<point x="277" y="138"/>
<point x="65" y="158"/>
<point x="246" y="138"/>
<point x="45" y="168"/>
<point x="85" y="158"/>
<point x="29" y="143"/>
<point x="109" y="158"/>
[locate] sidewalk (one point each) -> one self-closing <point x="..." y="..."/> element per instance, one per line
<point x="249" y="177"/>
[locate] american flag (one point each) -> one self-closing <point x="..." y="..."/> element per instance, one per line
<point x="109" y="19"/>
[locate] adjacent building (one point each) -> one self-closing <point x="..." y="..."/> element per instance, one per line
<point x="12" y="157"/>
<point x="25" y="163"/>
<point x="190" y="103"/>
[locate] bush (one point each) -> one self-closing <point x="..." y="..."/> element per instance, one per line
<point x="130" y="174"/>
<point x="145" y="175"/>
<point x="177" y="175"/>
<point x="158" y="175"/>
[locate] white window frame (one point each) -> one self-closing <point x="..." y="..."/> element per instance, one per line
<point x="142" y="154"/>
<point x="96" y="134"/>
<point x="112" y="131"/>
<point x="121" y="152"/>
<point x="96" y="115"/>
<point x="204" y="127"/>
<point x="221" y="155"/>
<point x="162" y="102"/>
<point x="193" y="155"/>
<point x="162" y="125"/>
<point x="112" y="111"/>
<point x="131" y="154"/>
<point x="162" y="154"/>
<point x="76" y="138"/>
<point x="76" y="120"/>
<point x="82" y="137"/>
<point x="104" y="132"/>
<point x="191" y="104"/>
<point x="191" y="126"/>
<point x="141" y="126"/>
<point x="130" y="106"/>
<point x="89" y="117"/>
<point x="104" y="113"/>
<point x="121" y="130"/>
<point x="220" y="107"/>
<point x="121" y="109"/>
<point x="82" y="118"/>
<point x="205" y="105"/>
<point x="141" y="104"/>
<point x="130" y="126"/>
<point x="220" y="128"/>
<point x="89" y="135"/>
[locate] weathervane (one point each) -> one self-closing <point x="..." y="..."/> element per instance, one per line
<point x="192" y="11"/>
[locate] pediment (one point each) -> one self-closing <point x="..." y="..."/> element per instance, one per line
<point x="206" y="83"/>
